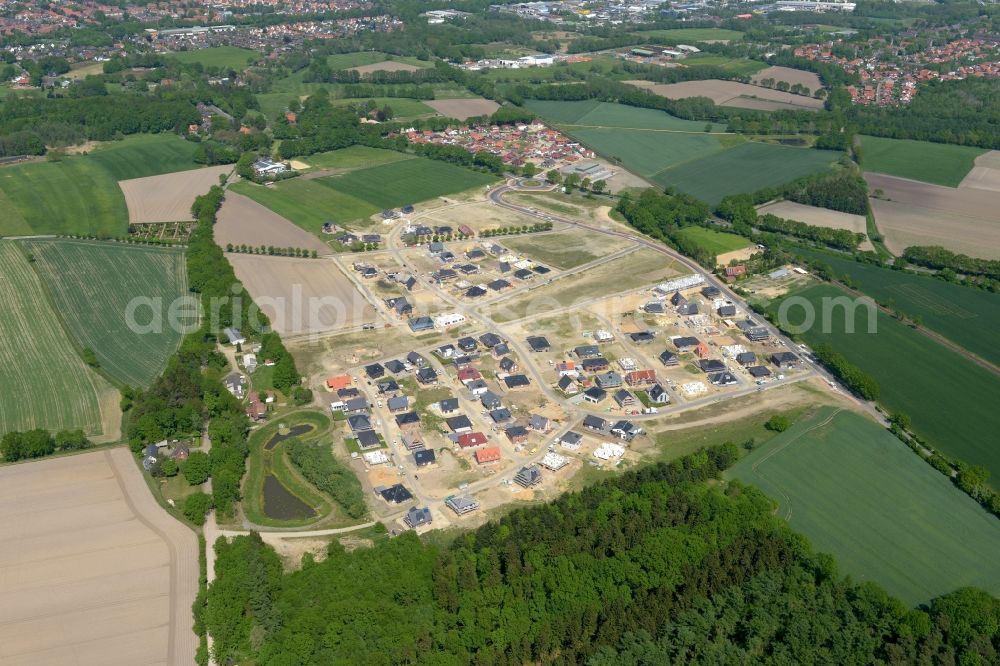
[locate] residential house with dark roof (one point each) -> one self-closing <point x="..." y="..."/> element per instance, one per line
<point x="400" y="306"/>
<point x="567" y="385"/>
<point x="501" y="415"/>
<point x="746" y="358"/>
<point x="598" y="364"/>
<point x="396" y="494"/>
<point x="609" y="380"/>
<point x="655" y="308"/>
<point x="587" y="351"/>
<point x="408" y="422"/>
<point x="415" y="517"/>
<point x="395" y="366"/>
<point x="758" y="371"/>
<point x="658" y="394"/>
<point x="507" y="364"/>
<point x="686" y="343"/>
<point x="539" y="423"/>
<point x="461" y="504"/>
<point x="642" y="337"/>
<point x="467" y="343"/>
<point x="415" y="359"/>
<point x="626" y="430"/>
<point x="359" y="422"/>
<point x="538" y="343"/>
<point x="490" y="400"/>
<point x="498" y="285"/>
<point x="669" y="359"/>
<point x="459" y="424"/>
<point x="427" y="375"/>
<point x="595" y="395"/>
<point x="517" y="434"/>
<point x="711" y="365"/>
<point x="523" y="274"/>
<point x="375" y="370"/>
<point x="785" y="359"/>
<point x="475" y="292"/>
<point x="448" y="406"/>
<point x="516" y="381"/>
<point x="424" y="457"/>
<point x="595" y="423"/>
<point x="624" y="398"/>
<point x="398" y="403"/>
<point x="722" y="379"/>
<point x="490" y="340"/>
<point x="477" y="387"/>
<point x="687" y="309"/>
<point x="571" y="439"/>
<point x="528" y="476"/>
<point x="367" y="439"/>
<point x="727" y="311"/>
<point x="419" y="324"/>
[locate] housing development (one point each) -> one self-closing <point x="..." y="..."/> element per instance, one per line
<point x="341" y="332"/>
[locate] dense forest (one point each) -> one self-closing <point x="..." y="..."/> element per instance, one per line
<point x="662" y="215"/>
<point x="652" y="567"/>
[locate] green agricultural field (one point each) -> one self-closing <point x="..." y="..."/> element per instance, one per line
<point x="402" y="107"/>
<point x="360" y="58"/>
<point x="44" y="381"/>
<point x="938" y="163"/>
<point x="742" y="66"/>
<point x="224" y="57"/>
<point x="308" y="203"/>
<point x="690" y="35"/>
<point x="94" y="304"/>
<point x="591" y="113"/>
<point x="646" y="152"/>
<point x="968" y="317"/>
<point x="860" y="494"/>
<point x="605" y="65"/>
<point x="79" y="194"/>
<point x="355" y="157"/>
<point x="951" y="400"/>
<point x="407" y="182"/>
<point x="746" y="168"/>
<point x="718" y="242"/>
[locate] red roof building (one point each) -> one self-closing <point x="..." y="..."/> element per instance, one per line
<point x="469" y="439"/>
<point x="641" y="377"/>
<point x="338" y="382"/>
<point x="488" y="455"/>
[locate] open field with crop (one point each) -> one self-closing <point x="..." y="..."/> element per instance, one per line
<point x="917" y="376"/>
<point x="81" y="193"/>
<point x="168" y="197"/>
<point x="565" y="249"/>
<point x="96" y="573"/>
<point x="244" y="221"/>
<point x="44" y="382"/>
<point x="887" y="516"/>
<point x="355" y="157"/>
<point x="718" y="242"/>
<point x="690" y="35"/>
<point x="302" y="295"/>
<point x="636" y="269"/>
<point x="592" y="113"/>
<point x="407" y="182"/>
<point x="790" y="76"/>
<point x="745" y="168"/>
<point x="308" y="203"/>
<point x="819" y="217"/>
<point x="908" y="213"/>
<point x="463" y="108"/>
<point x="647" y="152"/>
<point x="732" y="93"/>
<point x="985" y="175"/>
<point x="967" y="317"/>
<point x="741" y="66"/>
<point x="937" y="163"/>
<point x="360" y="59"/>
<point x="94" y="305"/>
<point x="225" y="57"/>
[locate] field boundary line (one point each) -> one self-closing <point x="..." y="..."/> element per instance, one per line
<point x="770" y="454"/>
<point x="643" y="129"/>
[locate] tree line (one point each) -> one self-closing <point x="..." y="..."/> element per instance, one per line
<point x="939" y="258"/>
<point x="663" y="215"/>
<point x="38" y="443"/>
<point x="653" y="566"/>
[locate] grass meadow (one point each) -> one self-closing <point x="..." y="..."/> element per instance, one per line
<point x="355" y="157"/>
<point x="967" y="317"/>
<point x="79" y="194"/>
<point x="308" y="203"/>
<point x="93" y="305"/>
<point x="742" y="66"/>
<point x="361" y="58"/>
<point x="687" y="35"/>
<point x="718" y="242"/>
<point x="44" y="381"/>
<point x="225" y="57"/>
<point x="951" y="400"/>
<point x="938" y="163"/>
<point x="887" y="516"/>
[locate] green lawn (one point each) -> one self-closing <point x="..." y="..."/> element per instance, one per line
<point x="717" y="242"/>
<point x="406" y="182"/>
<point x="355" y="157"/>
<point x="952" y="401"/>
<point x="79" y="194"/>
<point x="887" y="516"/>
<point x="746" y="168"/>
<point x="225" y="57"/>
<point x="94" y="304"/>
<point x="44" y="381"/>
<point x="690" y="35"/>
<point x="968" y="317"/>
<point x="308" y="203"/>
<point x="938" y="163"/>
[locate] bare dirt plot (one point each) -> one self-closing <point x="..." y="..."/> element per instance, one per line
<point x="242" y="220"/>
<point x="730" y="93"/>
<point x="387" y="66"/>
<point x="460" y="109"/>
<point x="565" y="249"/>
<point x="819" y="217"/>
<point x="94" y="572"/>
<point x="168" y="197"/>
<point x="963" y="220"/>
<point x="302" y="296"/>
<point x="738" y="255"/>
<point x="789" y="75"/>
<point x="478" y="215"/>
<point x="986" y="174"/>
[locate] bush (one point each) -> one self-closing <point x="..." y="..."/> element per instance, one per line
<point x="196" y="507"/>
<point x="301" y="396"/>
<point x="778" y="423"/>
<point x="169" y="467"/>
<point x="197" y="468"/>
<point x="321" y="469"/>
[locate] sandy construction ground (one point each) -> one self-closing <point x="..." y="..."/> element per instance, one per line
<point x="93" y="571"/>
<point x="387" y="66"/>
<point x="738" y="255"/>
<point x="789" y="75"/>
<point x="909" y="212"/>
<point x="732" y="93"/>
<point x="168" y="198"/>
<point x="986" y="174"/>
<point x="460" y="109"/>
<point x="243" y="220"/>
<point x="819" y="217"/>
<point x="302" y="296"/>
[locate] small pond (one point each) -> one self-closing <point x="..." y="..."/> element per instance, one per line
<point x="281" y="504"/>
<point x="295" y="431"/>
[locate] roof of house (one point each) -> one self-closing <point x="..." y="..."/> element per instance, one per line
<point x="398" y="402"/>
<point x="375" y="370"/>
<point x="515" y="381"/>
<point x="759" y="371"/>
<point x="396" y="494"/>
<point x="424" y="457"/>
<point x="418" y="517"/>
<point x="395" y="366"/>
<point x="367" y="439"/>
<point x="488" y="454"/>
<point x="406" y="418"/>
<point x="338" y="382"/>
<point x="571" y="437"/>
<point x="596" y="393"/>
<point x="594" y="422"/>
<point x="467" y="439"/>
<point x="448" y="404"/>
<point x="490" y="340"/>
<point x="686" y="341"/>
<point x="538" y="343"/>
<point x="500" y="415"/>
<point x="711" y="365"/>
<point x="460" y="422"/>
<point x="359" y="422"/>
